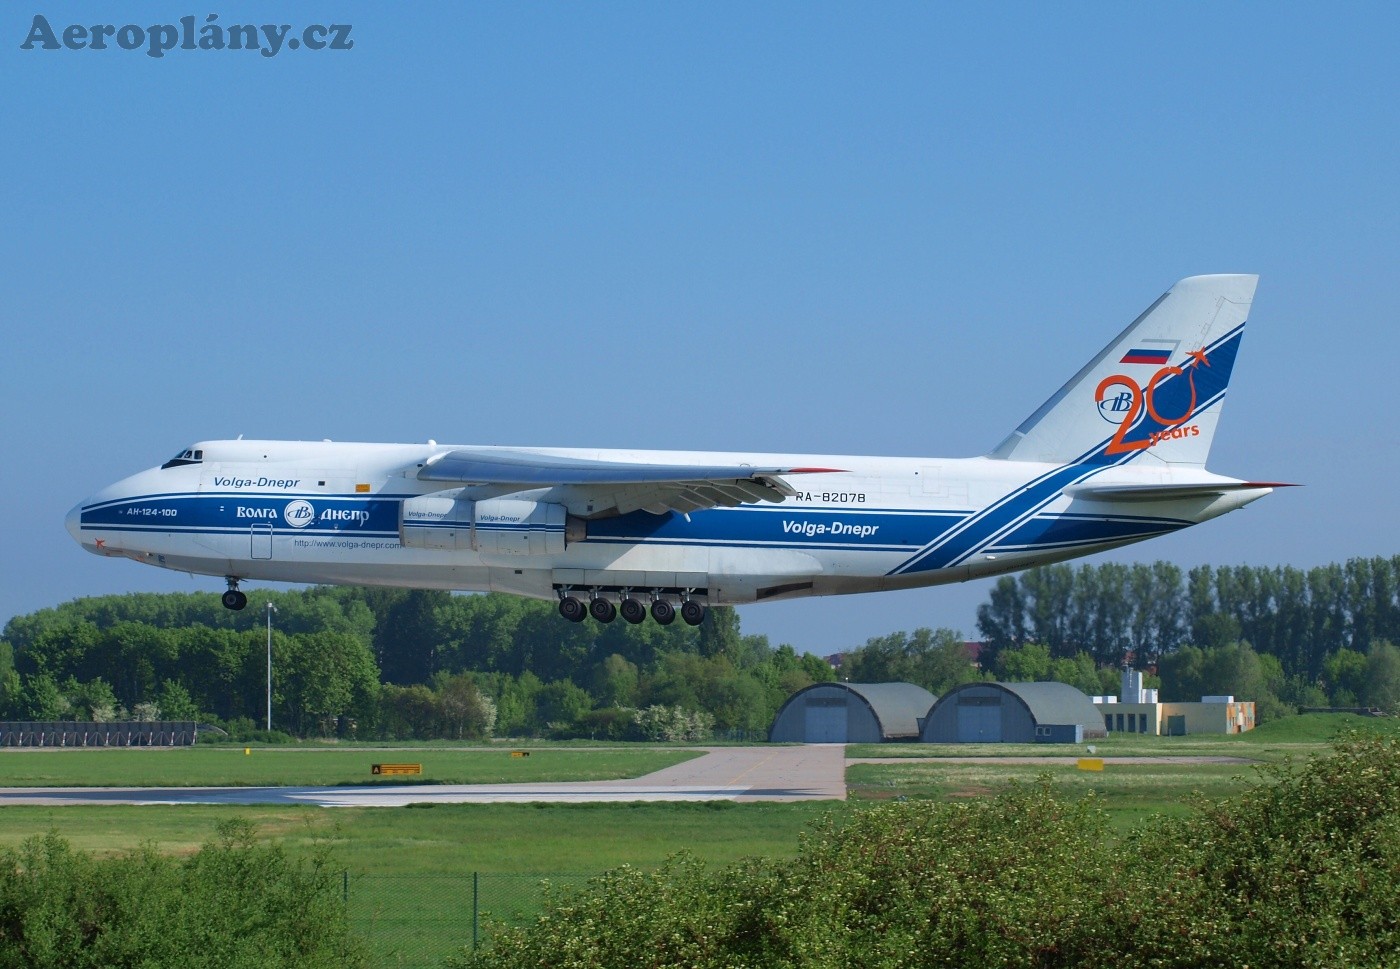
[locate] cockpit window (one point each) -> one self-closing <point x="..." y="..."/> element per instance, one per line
<point x="187" y="456"/>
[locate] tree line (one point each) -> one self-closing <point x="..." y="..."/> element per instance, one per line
<point x="1285" y="637"/>
<point x="375" y="663"/>
<point x="391" y="663"/>
<point x="1142" y="612"/>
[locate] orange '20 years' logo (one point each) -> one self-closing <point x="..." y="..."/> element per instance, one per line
<point x="1129" y="399"/>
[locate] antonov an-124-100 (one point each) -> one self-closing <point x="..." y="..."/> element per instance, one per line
<point x="1116" y="456"/>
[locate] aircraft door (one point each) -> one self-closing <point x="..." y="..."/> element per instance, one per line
<point x="262" y="541"/>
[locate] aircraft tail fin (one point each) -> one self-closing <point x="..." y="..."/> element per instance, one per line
<point x="1155" y="392"/>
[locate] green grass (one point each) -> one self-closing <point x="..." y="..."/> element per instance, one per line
<point x="1129" y="793"/>
<point x="446" y="838"/>
<point x="1289" y="737"/>
<point x="208" y="766"/>
<point x="1318" y="729"/>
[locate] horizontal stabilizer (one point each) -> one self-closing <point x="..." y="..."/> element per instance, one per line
<point x="1168" y="492"/>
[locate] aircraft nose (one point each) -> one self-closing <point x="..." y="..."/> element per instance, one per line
<point x="74" y="521"/>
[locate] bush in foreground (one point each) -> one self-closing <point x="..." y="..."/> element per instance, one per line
<point x="235" y="904"/>
<point x="1301" y="871"/>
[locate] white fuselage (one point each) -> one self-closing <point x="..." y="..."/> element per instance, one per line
<point x="324" y="512"/>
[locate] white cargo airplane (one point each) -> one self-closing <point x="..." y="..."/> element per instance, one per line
<point x="1116" y="456"/>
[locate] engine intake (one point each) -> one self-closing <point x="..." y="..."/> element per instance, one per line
<point x="502" y="526"/>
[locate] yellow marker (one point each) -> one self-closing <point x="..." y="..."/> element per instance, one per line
<point x="1091" y="763"/>
<point x="247" y="751"/>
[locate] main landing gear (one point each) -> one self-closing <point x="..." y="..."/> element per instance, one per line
<point x="663" y="612"/>
<point x="602" y="607"/>
<point x="233" y="599"/>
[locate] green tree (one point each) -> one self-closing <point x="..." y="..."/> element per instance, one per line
<point x="1079" y="671"/>
<point x="938" y="660"/>
<point x="719" y="632"/>
<point x="466" y="713"/>
<point x="406" y="637"/>
<point x="175" y="702"/>
<point x="91" y="701"/>
<point x="881" y="660"/>
<point x="614" y="682"/>
<point x="11" y="690"/>
<point x="1344" y="673"/>
<point x="408" y="712"/>
<point x="560" y="705"/>
<point x="1001" y="621"/>
<point x="41" y="699"/>
<point x="321" y="677"/>
<point x="1183" y="675"/>
<point x="1383" y="677"/>
<point x="1049" y="592"/>
<point x="1027" y="664"/>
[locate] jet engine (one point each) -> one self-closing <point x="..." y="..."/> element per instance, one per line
<point x="501" y="526"/>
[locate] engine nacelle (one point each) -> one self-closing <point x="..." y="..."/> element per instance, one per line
<point x="501" y="526"/>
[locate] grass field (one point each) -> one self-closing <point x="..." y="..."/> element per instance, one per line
<point x="409" y="881"/>
<point x="218" y="766"/>
<point x="1131" y="794"/>
<point x="1290" y="737"/>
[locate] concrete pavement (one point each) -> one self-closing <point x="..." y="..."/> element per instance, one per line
<point x="723" y="773"/>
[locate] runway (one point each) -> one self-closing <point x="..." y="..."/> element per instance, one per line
<point x="813" y="772"/>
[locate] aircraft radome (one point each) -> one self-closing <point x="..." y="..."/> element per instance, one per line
<point x="1116" y="456"/>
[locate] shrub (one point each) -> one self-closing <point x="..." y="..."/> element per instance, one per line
<point x="673" y="724"/>
<point x="1302" y="870"/>
<point x="235" y="904"/>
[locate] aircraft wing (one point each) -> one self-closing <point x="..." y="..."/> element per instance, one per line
<point x="626" y="486"/>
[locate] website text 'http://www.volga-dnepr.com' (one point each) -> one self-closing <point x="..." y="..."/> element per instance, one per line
<point x="189" y="33"/>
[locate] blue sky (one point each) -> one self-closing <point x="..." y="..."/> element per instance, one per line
<point x="826" y="228"/>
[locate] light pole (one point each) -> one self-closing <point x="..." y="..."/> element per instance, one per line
<point x="270" y="610"/>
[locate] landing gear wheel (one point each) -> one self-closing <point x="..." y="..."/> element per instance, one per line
<point x="572" y="609"/>
<point x="663" y="612"/>
<point x="632" y="610"/>
<point x="692" y="612"/>
<point x="233" y="599"/>
<point x="602" y="610"/>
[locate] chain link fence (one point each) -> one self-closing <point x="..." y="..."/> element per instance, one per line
<point x="419" y="920"/>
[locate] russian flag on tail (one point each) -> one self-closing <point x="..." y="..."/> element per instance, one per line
<point x="1155" y="352"/>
